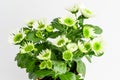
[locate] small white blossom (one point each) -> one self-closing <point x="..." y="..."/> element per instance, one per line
<point x="27" y="48"/>
<point x="61" y="41"/>
<point x="16" y="38"/>
<point x="72" y="47"/>
<point x="45" y="55"/>
<point x="74" y="9"/>
<point x="97" y="46"/>
<point x="69" y="21"/>
<point x="86" y="12"/>
<point x="81" y="47"/>
<point x="88" y="31"/>
<point x="30" y="23"/>
<point x="40" y="24"/>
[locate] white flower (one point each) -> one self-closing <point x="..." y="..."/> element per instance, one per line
<point x="86" y="12"/>
<point x="97" y="46"/>
<point x="27" y="48"/>
<point x="30" y="23"/>
<point x="40" y="24"/>
<point x="74" y="9"/>
<point x="81" y="47"/>
<point x="16" y="38"/>
<point x="61" y="41"/>
<point x="69" y="21"/>
<point x="72" y="47"/>
<point x="45" y="55"/>
<point x="88" y="31"/>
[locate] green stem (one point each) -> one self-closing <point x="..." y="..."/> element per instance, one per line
<point x="76" y="16"/>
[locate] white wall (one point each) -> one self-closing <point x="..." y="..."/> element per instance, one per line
<point x="13" y="13"/>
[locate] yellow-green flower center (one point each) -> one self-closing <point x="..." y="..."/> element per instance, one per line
<point x="46" y="55"/>
<point x="69" y="21"/>
<point x="60" y="42"/>
<point x="29" y="48"/>
<point x="86" y="32"/>
<point x="41" y="26"/>
<point x="97" y="46"/>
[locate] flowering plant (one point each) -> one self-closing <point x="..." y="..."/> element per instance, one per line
<point x="54" y="51"/>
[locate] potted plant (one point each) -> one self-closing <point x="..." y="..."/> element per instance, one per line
<point x="54" y="51"/>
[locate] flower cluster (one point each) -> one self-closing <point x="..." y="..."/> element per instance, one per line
<point x="55" y="50"/>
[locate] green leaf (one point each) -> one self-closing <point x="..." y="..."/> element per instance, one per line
<point x="54" y="34"/>
<point x="31" y="75"/>
<point x="67" y="76"/>
<point x="43" y="73"/>
<point x="88" y="58"/>
<point x="91" y="53"/>
<point x="81" y="20"/>
<point x="74" y="35"/>
<point x="30" y="66"/>
<point x="60" y="67"/>
<point x="78" y="54"/>
<point x="99" y="54"/>
<point x="56" y="24"/>
<point x="98" y="30"/>
<point x="32" y="37"/>
<point x="81" y="67"/>
<point x="40" y="47"/>
<point x="25" y="61"/>
<point x="19" y="58"/>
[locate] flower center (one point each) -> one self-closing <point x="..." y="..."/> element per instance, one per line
<point x="41" y="26"/>
<point x="29" y="48"/>
<point x="86" y="32"/>
<point x="46" y="55"/>
<point x="68" y="21"/>
<point x="60" y="42"/>
<point x="97" y="46"/>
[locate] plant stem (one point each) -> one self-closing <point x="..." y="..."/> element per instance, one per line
<point x="76" y="16"/>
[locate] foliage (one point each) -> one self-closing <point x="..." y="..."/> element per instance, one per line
<point x="55" y="50"/>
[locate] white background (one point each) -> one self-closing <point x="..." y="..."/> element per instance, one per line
<point x="13" y="14"/>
